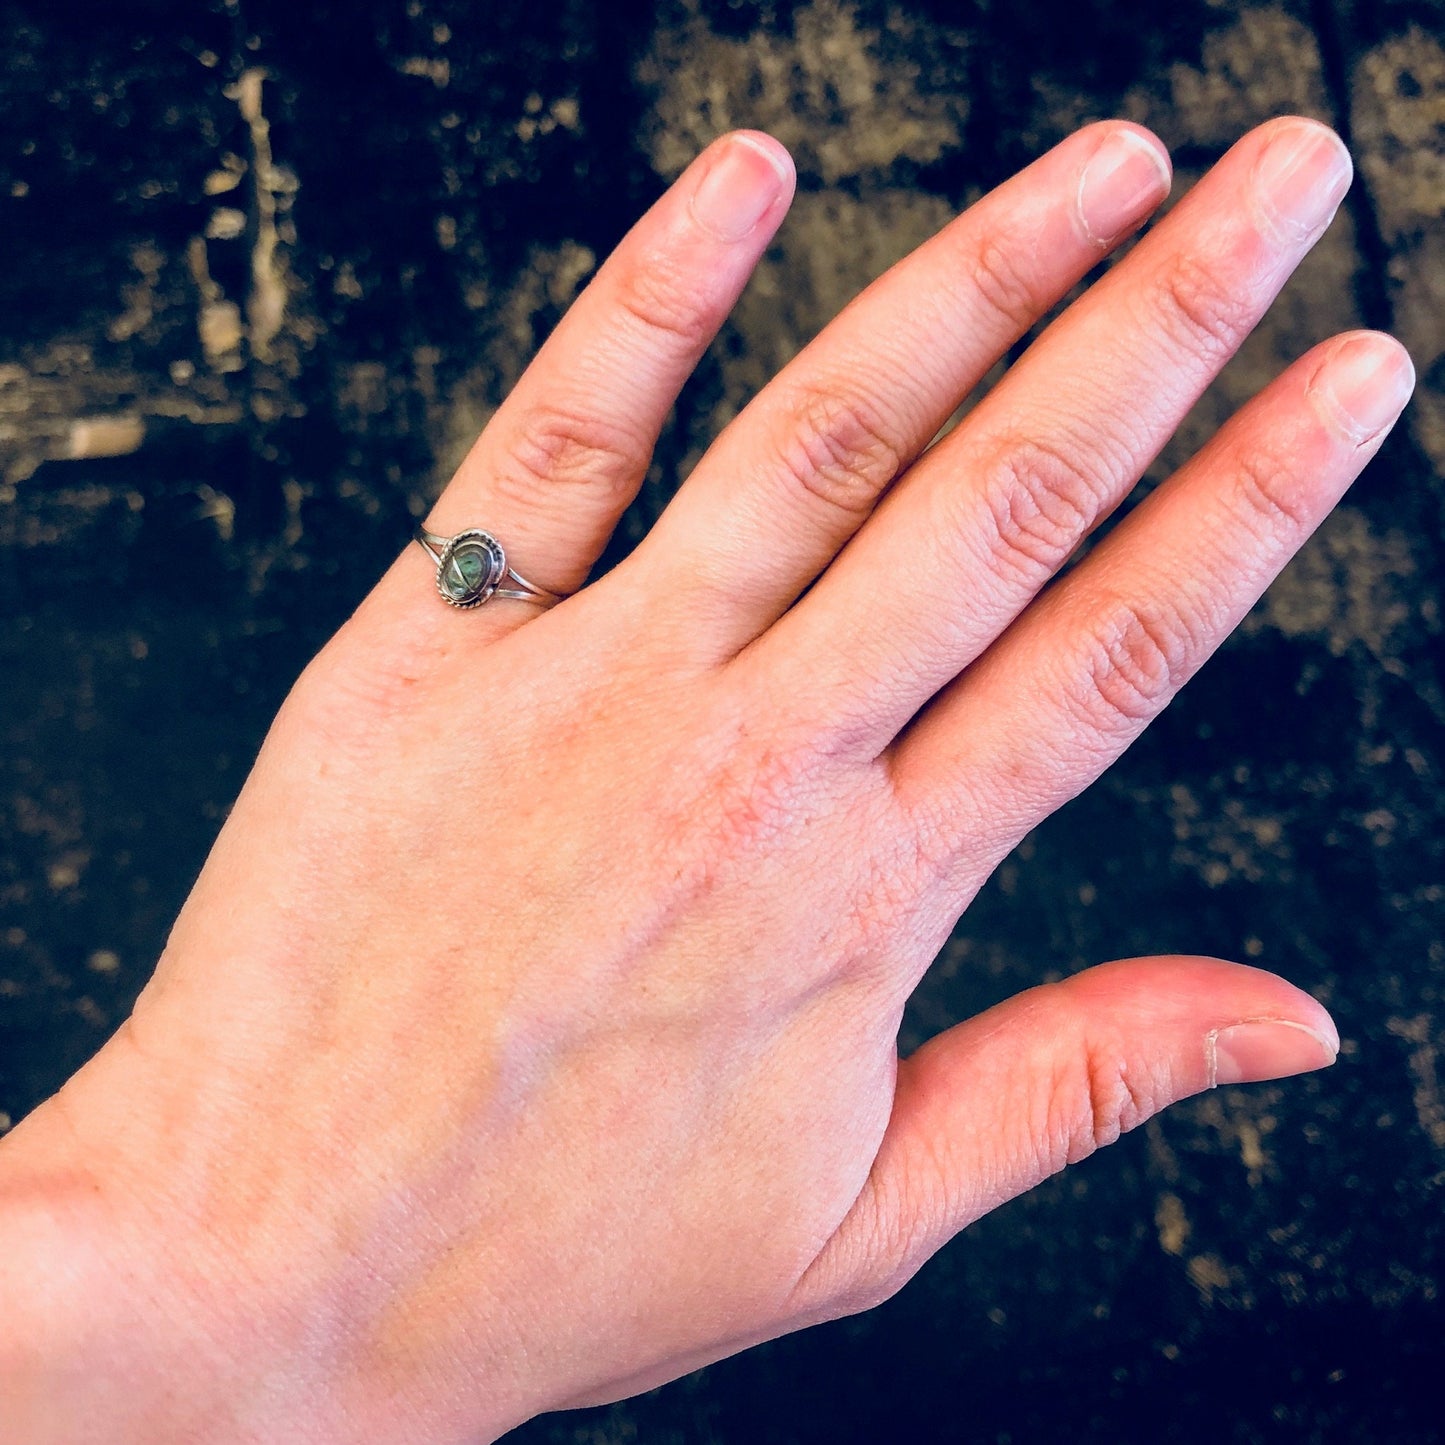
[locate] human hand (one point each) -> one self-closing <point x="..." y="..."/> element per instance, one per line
<point x="530" y="1036"/>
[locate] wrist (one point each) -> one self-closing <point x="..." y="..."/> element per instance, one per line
<point x="59" y="1306"/>
<point x="105" y="1334"/>
<point x="143" y="1303"/>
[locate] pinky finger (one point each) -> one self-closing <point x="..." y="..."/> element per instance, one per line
<point x="1081" y="674"/>
<point x="566" y="452"/>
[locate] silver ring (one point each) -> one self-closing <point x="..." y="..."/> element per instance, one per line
<point x="472" y="568"/>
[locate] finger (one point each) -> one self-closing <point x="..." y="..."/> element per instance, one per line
<point x="793" y="477"/>
<point x="566" y="452"/>
<point x="1086" y="668"/>
<point x="994" y="1106"/>
<point x="988" y="516"/>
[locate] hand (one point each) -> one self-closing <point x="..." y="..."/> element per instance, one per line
<point x="530" y="1036"/>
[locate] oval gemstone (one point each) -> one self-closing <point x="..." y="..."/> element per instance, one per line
<point x="471" y="569"/>
<point x="466" y="574"/>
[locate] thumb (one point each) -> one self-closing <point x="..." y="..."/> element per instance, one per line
<point x="990" y="1108"/>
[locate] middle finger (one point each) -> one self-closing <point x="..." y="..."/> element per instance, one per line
<point x="985" y="519"/>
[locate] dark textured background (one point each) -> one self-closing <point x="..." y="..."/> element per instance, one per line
<point x="268" y="265"/>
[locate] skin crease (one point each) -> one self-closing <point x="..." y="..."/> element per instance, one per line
<point x="529" y="1038"/>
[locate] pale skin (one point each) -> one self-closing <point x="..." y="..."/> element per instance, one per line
<point x="529" y="1038"/>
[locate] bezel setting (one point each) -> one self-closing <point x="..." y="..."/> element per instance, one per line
<point x="454" y="565"/>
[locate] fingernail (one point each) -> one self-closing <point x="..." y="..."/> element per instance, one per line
<point x="1260" y="1049"/>
<point x="1302" y="178"/>
<point x="1365" y="384"/>
<point x="1123" y="181"/>
<point x="740" y="188"/>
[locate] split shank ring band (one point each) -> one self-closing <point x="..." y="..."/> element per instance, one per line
<point x="472" y="569"/>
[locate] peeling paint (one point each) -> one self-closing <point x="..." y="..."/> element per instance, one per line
<point x="266" y="303"/>
<point x="844" y="102"/>
<point x="1429" y="1106"/>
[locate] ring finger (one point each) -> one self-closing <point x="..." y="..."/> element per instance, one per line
<point x="798" y="472"/>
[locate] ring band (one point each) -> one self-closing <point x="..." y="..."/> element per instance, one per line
<point x="472" y="568"/>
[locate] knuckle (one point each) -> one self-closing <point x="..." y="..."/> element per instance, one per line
<point x="839" y="451"/>
<point x="560" y="446"/>
<point x="1040" y="501"/>
<point x="1136" y="659"/>
<point x="1270" y="495"/>
<point x="1096" y="1099"/>
<point x="998" y="273"/>
<point x="1207" y="315"/>
<point x="664" y="307"/>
